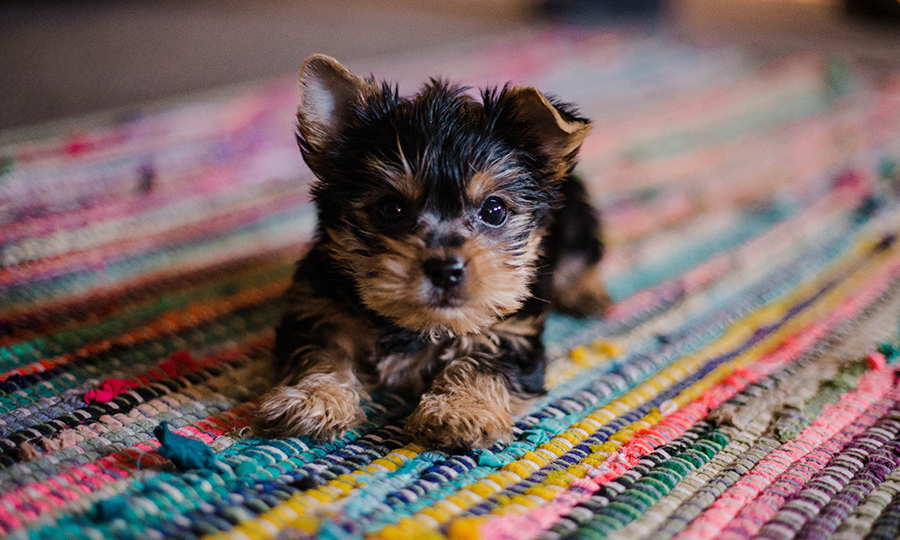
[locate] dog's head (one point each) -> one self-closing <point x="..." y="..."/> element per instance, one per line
<point x="435" y="205"/>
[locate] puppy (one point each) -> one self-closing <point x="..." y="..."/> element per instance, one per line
<point x="447" y="228"/>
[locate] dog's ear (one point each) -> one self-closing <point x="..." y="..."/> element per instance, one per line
<point x="557" y="131"/>
<point x="328" y="92"/>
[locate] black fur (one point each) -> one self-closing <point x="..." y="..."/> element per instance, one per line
<point x="444" y="138"/>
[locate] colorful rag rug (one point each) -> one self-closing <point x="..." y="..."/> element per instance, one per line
<point x="743" y="386"/>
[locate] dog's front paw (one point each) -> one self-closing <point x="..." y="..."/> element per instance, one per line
<point x="321" y="405"/>
<point x="454" y="420"/>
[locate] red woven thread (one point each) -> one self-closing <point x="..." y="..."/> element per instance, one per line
<point x="109" y="389"/>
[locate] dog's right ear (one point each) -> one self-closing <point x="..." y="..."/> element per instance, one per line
<point x="328" y="93"/>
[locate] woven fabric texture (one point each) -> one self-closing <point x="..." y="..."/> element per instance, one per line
<point x="742" y="386"/>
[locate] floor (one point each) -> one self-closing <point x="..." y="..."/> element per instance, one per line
<point x="61" y="59"/>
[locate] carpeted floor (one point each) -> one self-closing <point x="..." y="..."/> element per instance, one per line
<point x="743" y="385"/>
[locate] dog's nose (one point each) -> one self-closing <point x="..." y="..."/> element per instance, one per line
<point x="445" y="273"/>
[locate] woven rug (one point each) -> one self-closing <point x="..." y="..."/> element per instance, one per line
<point x="742" y="386"/>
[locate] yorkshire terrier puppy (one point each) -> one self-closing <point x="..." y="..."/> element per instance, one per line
<point x="447" y="228"/>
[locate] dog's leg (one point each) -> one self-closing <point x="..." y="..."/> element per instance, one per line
<point x="317" y="346"/>
<point x="492" y="377"/>
<point x="468" y="406"/>
<point x="573" y="249"/>
<point x="322" y="402"/>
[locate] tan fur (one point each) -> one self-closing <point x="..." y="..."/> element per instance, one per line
<point x="393" y="283"/>
<point x="323" y="405"/>
<point x="578" y="288"/>
<point x="481" y="185"/>
<point x="515" y="332"/>
<point x="560" y="137"/>
<point x="406" y="184"/>
<point x="320" y="397"/>
<point x="492" y="181"/>
<point x="409" y="371"/>
<point x="350" y="334"/>
<point x="465" y="408"/>
<point x="486" y="183"/>
<point x="454" y="342"/>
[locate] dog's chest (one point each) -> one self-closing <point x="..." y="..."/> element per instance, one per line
<point x="407" y="361"/>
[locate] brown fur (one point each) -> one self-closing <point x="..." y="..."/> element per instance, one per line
<point x="485" y="183"/>
<point x="350" y="337"/>
<point x="402" y="181"/>
<point x="411" y="372"/>
<point x="391" y="282"/>
<point x="464" y="408"/>
<point x="323" y="405"/>
<point x="578" y="288"/>
<point x="438" y="251"/>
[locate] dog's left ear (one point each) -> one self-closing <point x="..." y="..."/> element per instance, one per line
<point x="557" y="131"/>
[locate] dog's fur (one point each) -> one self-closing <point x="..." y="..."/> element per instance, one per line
<point x="447" y="227"/>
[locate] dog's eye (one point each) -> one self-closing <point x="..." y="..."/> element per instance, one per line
<point x="390" y="210"/>
<point x="493" y="211"/>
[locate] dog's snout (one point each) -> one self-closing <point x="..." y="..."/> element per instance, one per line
<point x="445" y="272"/>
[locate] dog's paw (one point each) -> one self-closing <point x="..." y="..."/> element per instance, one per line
<point x="454" y="420"/>
<point x="321" y="405"/>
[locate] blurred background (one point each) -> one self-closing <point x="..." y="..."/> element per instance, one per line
<point x="61" y="59"/>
